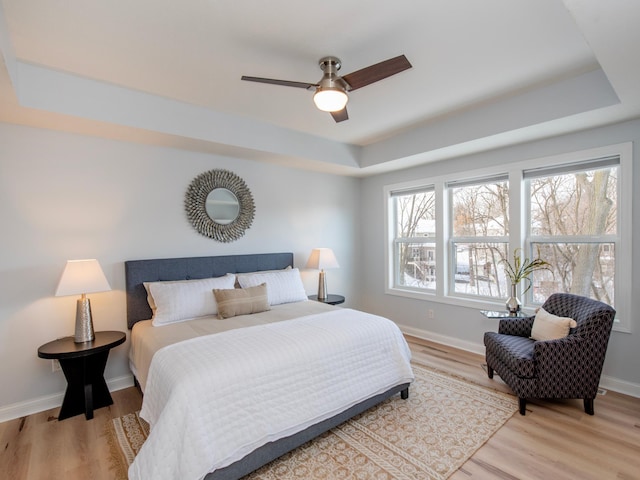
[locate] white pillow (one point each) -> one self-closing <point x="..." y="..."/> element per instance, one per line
<point x="547" y="326"/>
<point x="182" y="300"/>
<point x="284" y="286"/>
<point x="238" y="275"/>
<point x="150" y="301"/>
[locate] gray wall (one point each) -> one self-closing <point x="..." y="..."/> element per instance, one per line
<point x="464" y="327"/>
<point x="65" y="196"/>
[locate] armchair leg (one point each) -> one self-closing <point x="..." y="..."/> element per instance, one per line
<point x="489" y="371"/>
<point x="588" y="406"/>
<point x="523" y="405"/>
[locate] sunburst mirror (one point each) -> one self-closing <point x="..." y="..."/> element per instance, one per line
<point x="220" y="205"/>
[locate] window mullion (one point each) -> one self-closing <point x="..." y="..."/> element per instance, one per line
<point x="442" y="239"/>
<point x="518" y="220"/>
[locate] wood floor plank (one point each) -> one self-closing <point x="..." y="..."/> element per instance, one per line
<point x="555" y="440"/>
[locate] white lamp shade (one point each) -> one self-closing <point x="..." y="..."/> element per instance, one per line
<point x="82" y="276"/>
<point x="322" y="258"/>
<point x="330" y="99"/>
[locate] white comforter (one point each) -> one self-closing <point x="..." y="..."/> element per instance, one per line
<point x="212" y="400"/>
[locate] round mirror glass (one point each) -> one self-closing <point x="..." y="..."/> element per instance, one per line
<point x="222" y="206"/>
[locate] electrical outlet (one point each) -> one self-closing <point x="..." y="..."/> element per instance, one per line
<point x="55" y="365"/>
<point x="430" y="313"/>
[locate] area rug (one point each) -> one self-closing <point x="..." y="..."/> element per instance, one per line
<point x="429" y="436"/>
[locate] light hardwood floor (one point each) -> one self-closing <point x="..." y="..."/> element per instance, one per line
<point x="555" y="440"/>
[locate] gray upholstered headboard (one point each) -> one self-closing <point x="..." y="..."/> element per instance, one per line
<point x="164" y="269"/>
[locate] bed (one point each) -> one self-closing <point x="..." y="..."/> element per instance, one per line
<point x="226" y="396"/>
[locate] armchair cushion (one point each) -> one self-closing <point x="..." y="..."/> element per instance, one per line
<point x="513" y="351"/>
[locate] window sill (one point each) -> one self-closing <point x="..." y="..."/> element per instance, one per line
<point x="480" y="304"/>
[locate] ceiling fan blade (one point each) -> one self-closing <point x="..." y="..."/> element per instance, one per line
<point x="340" y="115"/>
<point x="374" y="73"/>
<point x="285" y="83"/>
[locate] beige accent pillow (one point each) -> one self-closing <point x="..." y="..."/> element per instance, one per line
<point x="241" y="301"/>
<point x="547" y="326"/>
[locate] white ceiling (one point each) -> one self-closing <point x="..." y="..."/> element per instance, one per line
<point x="485" y="74"/>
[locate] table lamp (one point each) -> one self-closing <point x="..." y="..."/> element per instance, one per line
<point x="320" y="259"/>
<point x="79" y="278"/>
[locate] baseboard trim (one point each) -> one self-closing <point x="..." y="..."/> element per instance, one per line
<point x="40" y="404"/>
<point x="443" y="339"/>
<point x="620" y="386"/>
<point x="606" y="382"/>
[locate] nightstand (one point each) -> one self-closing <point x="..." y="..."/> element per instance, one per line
<point x="331" y="299"/>
<point x="83" y="366"/>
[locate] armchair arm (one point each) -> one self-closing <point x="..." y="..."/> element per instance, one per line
<point x="520" y="327"/>
<point x="566" y="368"/>
<point x="554" y="351"/>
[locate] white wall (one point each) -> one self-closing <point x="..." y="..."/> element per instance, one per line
<point x="65" y="196"/>
<point x="464" y="327"/>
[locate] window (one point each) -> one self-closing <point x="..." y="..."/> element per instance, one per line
<point x="448" y="238"/>
<point x="573" y="223"/>
<point x="414" y="229"/>
<point x="479" y="212"/>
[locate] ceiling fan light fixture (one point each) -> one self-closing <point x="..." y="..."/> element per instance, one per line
<point x="330" y="99"/>
<point x="331" y="91"/>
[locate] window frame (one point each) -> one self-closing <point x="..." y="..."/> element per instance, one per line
<point x="518" y="228"/>
<point x="394" y="279"/>
<point x="601" y="240"/>
<point x="454" y="240"/>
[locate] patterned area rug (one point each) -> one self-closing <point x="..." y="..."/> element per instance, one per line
<point x="429" y="436"/>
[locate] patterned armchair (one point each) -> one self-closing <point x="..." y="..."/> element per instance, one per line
<point x="568" y="367"/>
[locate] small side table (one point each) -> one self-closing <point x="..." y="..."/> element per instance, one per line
<point x="83" y="366"/>
<point x="331" y="299"/>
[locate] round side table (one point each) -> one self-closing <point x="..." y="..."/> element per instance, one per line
<point x="83" y="366"/>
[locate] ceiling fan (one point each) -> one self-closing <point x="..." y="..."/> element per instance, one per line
<point x="331" y="91"/>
